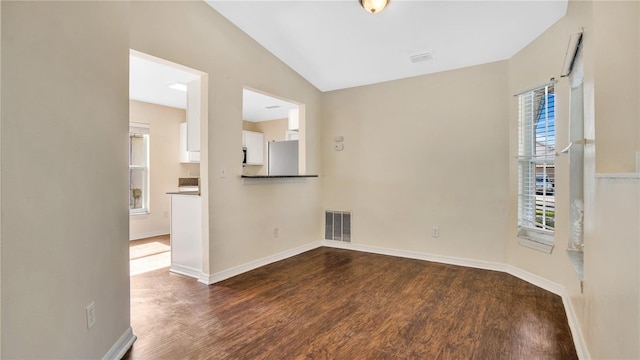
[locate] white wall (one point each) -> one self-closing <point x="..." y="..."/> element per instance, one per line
<point x="64" y="177"/>
<point x="422" y="152"/>
<point x="241" y="215"/>
<point x="608" y="311"/>
<point x="164" y="164"/>
<point x="0" y="180"/>
<point x="411" y="148"/>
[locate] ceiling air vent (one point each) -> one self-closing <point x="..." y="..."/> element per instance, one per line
<point x="270" y="107"/>
<point x="425" y="56"/>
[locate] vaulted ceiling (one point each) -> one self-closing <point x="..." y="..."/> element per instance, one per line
<point x="336" y="44"/>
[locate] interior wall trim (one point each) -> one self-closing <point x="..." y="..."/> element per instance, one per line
<point x="186" y="271"/>
<point x="147" y="235"/>
<point x="539" y="281"/>
<point x="121" y="346"/>
<point x="237" y="270"/>
<point x="574" y="325"/>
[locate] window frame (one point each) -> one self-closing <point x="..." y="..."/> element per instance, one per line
<point x="530" y="233"/>
<point x="140" y="129"/>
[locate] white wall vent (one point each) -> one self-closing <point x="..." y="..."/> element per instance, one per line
<point x="337" y="225"/>
<point x="426" y="56"/>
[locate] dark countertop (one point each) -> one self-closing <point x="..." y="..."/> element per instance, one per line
<point x="276" y="176"/>
<point x="197" y="193"/>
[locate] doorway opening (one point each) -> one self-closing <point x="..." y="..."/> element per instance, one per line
<point x="167" y="135"/>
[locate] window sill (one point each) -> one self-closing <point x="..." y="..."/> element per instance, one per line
<point x="535" y="240"/>
<point x="532" y="244"/>
<point x="141" y="215"/>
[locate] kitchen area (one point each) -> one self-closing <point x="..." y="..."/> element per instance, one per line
<point x="166" y="186"/>
<point x="271" y="136"/>
<point x="164" y="159"/>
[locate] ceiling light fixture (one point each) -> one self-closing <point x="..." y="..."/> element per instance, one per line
<point x="374" y="6"/>
<point x="179" y="86"/>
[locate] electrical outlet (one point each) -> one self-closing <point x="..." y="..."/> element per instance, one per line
<point x="91" y="315"/>
<point x="435" y="232"/>
<point x="276" y="232"/>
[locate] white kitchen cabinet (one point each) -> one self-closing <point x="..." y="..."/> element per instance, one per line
<point x="254" y="143"/>
<point x="185" y="155"/>
<point x="294" y="119"/>
<point x="186" y="239"/>
<point x="194" y="113"/>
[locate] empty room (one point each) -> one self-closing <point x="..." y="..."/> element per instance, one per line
<point x="375" y="180"/>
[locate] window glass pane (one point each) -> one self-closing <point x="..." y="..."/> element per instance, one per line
<point x="137" y="183"/>
<point x="537" y="151"/>
<point x="138" y="154"/>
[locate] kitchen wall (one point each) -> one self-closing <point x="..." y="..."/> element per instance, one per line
<point x="424" y="152"/>
<point x="164" y="164"/>
<point x="242" y="214"/>
<point x="607" y="311"/>
<point x="273" y="130"/>
<point x="64" y="178"/>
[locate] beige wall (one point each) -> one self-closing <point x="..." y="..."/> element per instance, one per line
<point x="422" y="152"/>
<point x="0" y="180"/>
<point x="616" y="70"/>
<point x="164" y="165"/>
<point x="64" y="178"/>
<point x="429" y="151"/>
<point x="274" y="130"/>
<point x="608" y="310"/>
<point x="242" y="214"/>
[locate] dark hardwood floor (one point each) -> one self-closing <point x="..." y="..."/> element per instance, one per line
<point x="339" y="304"/>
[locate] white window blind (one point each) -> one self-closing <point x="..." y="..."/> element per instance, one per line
<point x="536" y="164"/>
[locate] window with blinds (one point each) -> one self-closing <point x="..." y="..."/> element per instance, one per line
<point x="536" y="165"/>
<point x="138" y="168"/>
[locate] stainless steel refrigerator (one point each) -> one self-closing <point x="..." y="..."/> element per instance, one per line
<point x="283" y="157"/>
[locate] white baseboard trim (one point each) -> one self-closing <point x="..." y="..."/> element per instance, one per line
<point x="576" y="330"/>
<point x="237" y="270"/>
<point x="147" y="235"/>
<point x="121" y="346"/>
<point x="531" y="278"/>
<point x="536" y="280"/>
<point x="478" y="264"/>
<point x="186" y="271"/>
<point x="548" y="285"/>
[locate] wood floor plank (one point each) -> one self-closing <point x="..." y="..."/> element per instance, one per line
<point x="340" y="304"/>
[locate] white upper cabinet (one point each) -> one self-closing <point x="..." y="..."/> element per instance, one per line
<point x="194" y="111"/>
<point x="294" y="119"/>
<point x="254" y="142"/>
<point x="185" y="155"/>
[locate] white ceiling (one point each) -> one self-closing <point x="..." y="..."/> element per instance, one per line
<point x="149" y="82"/>
<point x="260" y="107"/>
<point x="336" y="44"/>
